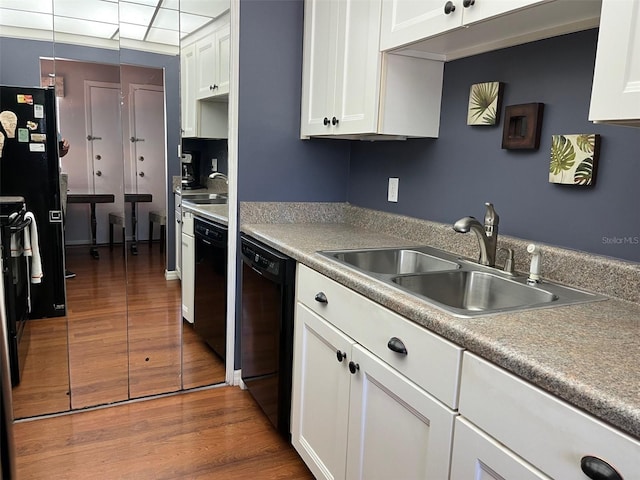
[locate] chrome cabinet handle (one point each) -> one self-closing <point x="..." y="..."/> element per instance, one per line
<point x="397" y="345"/>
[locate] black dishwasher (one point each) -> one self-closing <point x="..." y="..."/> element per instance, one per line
<point x="210" y="291"/>
<point x="266" y="347"/>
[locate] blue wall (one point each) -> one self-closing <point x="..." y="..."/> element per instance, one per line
<point x="453" y="176"/>
<point x="273" y="163"/>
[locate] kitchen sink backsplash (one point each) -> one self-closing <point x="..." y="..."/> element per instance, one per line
<point x="609" y="276"/>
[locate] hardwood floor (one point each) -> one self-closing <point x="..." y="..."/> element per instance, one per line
<point x="218" y="433"/>
<point x="122" y="338"/>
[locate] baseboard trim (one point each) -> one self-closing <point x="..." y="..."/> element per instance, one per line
<point x="171" y="275"/>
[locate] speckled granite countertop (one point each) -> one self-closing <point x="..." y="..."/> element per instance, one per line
<point x="217" y="212"/>
<point x="588" y="355"/>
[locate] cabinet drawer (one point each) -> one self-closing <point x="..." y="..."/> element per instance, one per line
<point x="545" y="431"/>
<point x="187" y="223"/>
<point x="431" y="362"/>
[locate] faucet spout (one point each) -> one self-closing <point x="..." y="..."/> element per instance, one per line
<point x="487" y="234"/>
<point x="219" y="175"/>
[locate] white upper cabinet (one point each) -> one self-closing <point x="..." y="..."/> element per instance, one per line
<point x="212" y="54"/>
<point x="187" y="90"/>
<point x="615" y="97"/>
<point x="457" y="28"/>
<point x="406" y="21"/>
<point x="349" y="89"/>
<point x="204" y="79"/>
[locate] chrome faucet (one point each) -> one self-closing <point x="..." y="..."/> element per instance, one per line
<point x="487" y="234"/>
<point x="220" y="175"/>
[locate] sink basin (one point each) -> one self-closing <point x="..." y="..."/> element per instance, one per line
<point x="475" y="291"/>
<point x="206" y="198"/>
<point x="393" y="261"/>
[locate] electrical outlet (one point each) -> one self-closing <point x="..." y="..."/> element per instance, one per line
<point x="392" y="192"/>
<point x="214" y="164"/>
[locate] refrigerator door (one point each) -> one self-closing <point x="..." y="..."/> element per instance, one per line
<point x="30" y="168"/>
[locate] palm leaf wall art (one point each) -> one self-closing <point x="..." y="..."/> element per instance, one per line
<point x="574" y="159"/>
<point x="485" y="103"/>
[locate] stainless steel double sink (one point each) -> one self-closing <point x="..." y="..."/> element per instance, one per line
<point x="456" y="285"/>
<point x="205" y="198"/>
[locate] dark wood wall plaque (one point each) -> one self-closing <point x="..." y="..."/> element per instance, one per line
<point x="522" y="126"/>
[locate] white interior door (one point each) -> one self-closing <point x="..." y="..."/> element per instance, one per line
<point x="105" y="167"/>
<point x="148" y="156"/>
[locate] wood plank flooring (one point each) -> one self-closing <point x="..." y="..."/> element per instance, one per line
<point x="218" y="433"/>
<point x="125" y="338"/>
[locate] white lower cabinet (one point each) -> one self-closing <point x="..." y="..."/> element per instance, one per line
<point x="354" y="416"/>
<point x="178" y="233"/>
<point x="551" y="436"/>
<point x="188" y="266"/>
<point x="476" y="456"/>
<point x="396" y="429"/>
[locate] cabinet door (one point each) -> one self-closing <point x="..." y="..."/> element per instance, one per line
<point x="223" y="40"/>
<point x="357" y="68"/>
<point x="188" y="275"/>
<point x="479" y="457"/>
<point x="484" y="9"/>
<point x="396" y="429"/>
<point x="319" y="66"/>
<point x="178" y="242"/>
<point x="616" y="79"/>
<point x="320" y="403"/>
<point x="187" y="89"/>
<point x="406" y="21"/>
<point x="206" y="66"/>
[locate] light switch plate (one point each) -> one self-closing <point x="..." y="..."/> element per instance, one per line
<point x="392" y="192"/>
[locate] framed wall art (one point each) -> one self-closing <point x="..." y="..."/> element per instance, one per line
<point x="574" y="159"/>
<point x="522" y="126"/>
<point x="485" y="102"/>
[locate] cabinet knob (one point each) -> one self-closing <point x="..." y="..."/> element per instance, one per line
<point x="98" y="157"/>
<point x="334" y="121"/>
<point x="99" y="173"/>
<point x="321" y="298"/>
<point x="141" y="174"/>
<point x="178" y="221"/>
<point x="449" y="7"/>
<point x="353" y="367"/>
<point x="397" y="345"/>
<point x="213" y="87"/>
<point x="341" y="355"/>
<point x="597" y="469"/>
<point x="468" y="3"/>
<point x="326" y="121"/>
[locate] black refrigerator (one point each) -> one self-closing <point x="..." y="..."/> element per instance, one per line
<point x="30" y="168"/>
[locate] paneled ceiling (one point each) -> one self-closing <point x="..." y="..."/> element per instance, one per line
<point x="159" y="22"/>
